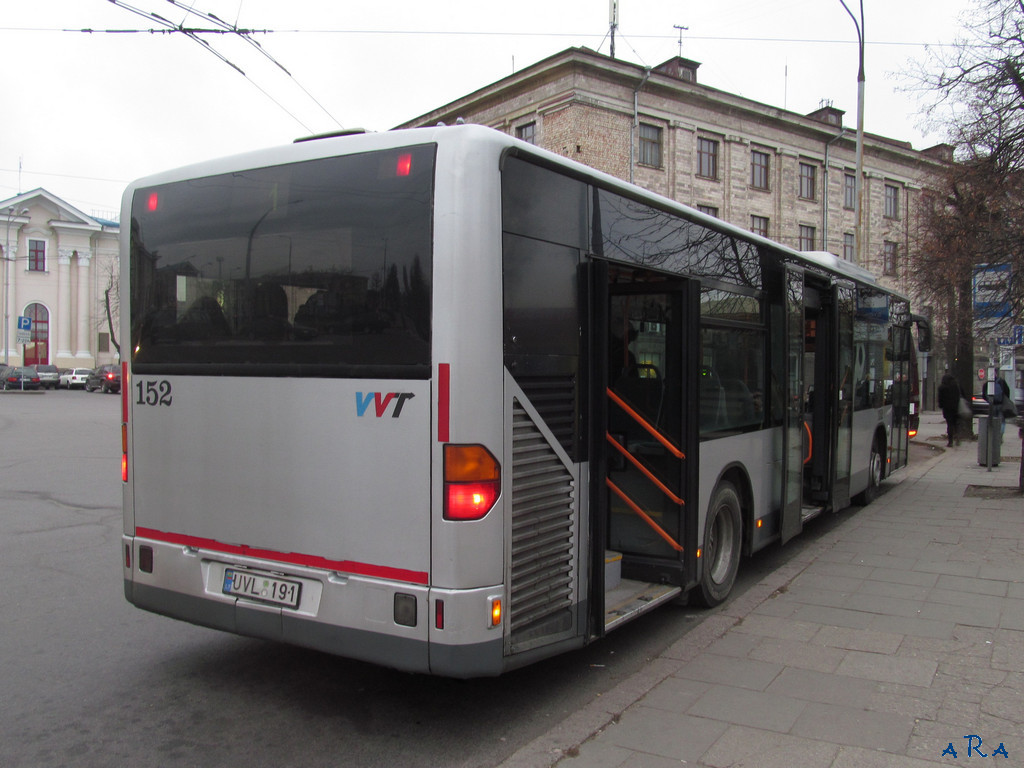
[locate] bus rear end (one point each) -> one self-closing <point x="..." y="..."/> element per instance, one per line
<point x="278" y="398"/>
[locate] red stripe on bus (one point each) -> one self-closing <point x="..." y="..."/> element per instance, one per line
<point x="292" y="558"/>
<point x="124" y="393"/>
<point x="444" y="394"/>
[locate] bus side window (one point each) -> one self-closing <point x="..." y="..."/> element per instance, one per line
<point x="712" y="401"/>
<point x="739" y="403"/>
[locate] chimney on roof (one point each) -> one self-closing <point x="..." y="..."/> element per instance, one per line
<point x="680" y="68"/>
<point x="828" y="114"/>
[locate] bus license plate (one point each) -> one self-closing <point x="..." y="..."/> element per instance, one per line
<point x="262" y="587"/>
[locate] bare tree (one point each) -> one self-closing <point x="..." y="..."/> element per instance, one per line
<point x="977" y="216"/>
<point x="111" y="303"/>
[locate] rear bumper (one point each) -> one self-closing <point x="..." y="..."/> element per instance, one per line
<point x="341" y="614"/>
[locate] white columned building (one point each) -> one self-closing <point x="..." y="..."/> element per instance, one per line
<point x="61" y="262"/>
<point x="64" y="303"/>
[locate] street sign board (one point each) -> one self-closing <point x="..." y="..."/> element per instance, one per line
<point x="24" y="323"/>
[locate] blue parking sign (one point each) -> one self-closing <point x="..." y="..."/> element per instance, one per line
<point x="24" y="323"/>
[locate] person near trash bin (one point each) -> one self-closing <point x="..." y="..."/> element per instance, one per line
<point x="949" y="401"/>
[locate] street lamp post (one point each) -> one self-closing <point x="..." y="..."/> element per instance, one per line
<point x="7" y="270"/>
<point x="858" y="232"/>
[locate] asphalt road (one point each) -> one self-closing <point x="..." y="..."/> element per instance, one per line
<point x="88" y="680"/>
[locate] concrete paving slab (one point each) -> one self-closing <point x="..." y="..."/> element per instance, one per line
<point x="855" y="727"/>
<point x="757" y="709"/>
<point x="740" y="747"/>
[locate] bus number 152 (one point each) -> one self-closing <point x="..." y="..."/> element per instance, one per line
<point x="154" y="392"/>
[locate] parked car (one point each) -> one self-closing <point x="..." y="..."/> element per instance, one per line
<point x="17" y="377"/>
<point x="49" y="376"/>
<point x="979" y="403"/>
<point x="106" y="378"/>
<point x="74" y="377"/>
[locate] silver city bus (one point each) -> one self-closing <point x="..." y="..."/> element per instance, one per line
<point x="440" y="400"/>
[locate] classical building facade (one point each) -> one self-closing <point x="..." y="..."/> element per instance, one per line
<point x="60" y="271"/>
<point x="788" y="176"/>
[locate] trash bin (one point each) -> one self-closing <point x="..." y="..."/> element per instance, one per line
<point x="983" y="440"/>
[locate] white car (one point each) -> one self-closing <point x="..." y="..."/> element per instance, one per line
<point x="75" y="377"/>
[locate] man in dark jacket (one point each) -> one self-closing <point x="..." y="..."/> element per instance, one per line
<point x="949" y="401"/>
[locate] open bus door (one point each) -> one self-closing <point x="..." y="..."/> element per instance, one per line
<point x="642" y="439"/>
<point x="816" y="429"/>
<point x="795" y="431"/>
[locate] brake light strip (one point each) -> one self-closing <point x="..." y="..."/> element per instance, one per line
<point x="291" y="558"/>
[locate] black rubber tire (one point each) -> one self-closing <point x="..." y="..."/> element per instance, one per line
<point x="723" y="543"/>
<point x="875" y="464"/>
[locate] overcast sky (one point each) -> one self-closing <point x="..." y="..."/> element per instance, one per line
<point x="85" y="113"/>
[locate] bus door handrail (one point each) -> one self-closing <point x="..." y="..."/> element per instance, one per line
<point x="651" y="429"/>
<point x="646" y="472"/>
<point x="644" y="516"/>
<point x="810" y="441"/>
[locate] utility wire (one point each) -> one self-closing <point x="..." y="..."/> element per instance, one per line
<point x="193" y="34"/>
<point x="231" y="28"/>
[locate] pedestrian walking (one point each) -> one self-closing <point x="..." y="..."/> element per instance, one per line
<point x="950" y="395"/>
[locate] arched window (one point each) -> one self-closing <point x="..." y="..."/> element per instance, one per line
<point x="37" y="351"/>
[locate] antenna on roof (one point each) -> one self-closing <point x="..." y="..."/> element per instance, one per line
<point x="613" y="21"/>
<point x="681" y="30"/>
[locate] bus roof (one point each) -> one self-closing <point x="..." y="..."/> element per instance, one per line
<point x="481" y="136"/>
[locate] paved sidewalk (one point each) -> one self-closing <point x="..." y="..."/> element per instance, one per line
<point x="894" y="641"/>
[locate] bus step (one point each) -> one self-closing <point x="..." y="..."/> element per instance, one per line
<point x="809" y="513"/>
<point x="634" y="598"/>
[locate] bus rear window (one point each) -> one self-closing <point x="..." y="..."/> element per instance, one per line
<point x="318" y="268"/>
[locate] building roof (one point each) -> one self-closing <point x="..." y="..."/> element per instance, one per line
<point x="63" y="213"/>
<point x="677" y="76"/>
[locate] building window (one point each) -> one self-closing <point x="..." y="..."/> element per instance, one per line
<point x="807" y="178"/>
<point x="806" y="242"/>
<point x="759" y="225"/>
<point x="36" y="255"/>
<point x="849" y="243"/>
<point x="103" y="343"/>
<point x="849" y="191"/>
<point x="759" y="169"/>
<point x="710" y="210"/>
<point x="707" y="158"/>
<point x="889" y="253"/>
<point x="527" y="133"/>
<point x="650" y="145"/>
<point x="892" y="202"/>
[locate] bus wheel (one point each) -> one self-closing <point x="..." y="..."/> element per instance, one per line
<point x="870" y="493"/>
<point x="723" y="537"/>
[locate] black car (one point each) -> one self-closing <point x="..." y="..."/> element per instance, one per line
<point x="16" y="377"/>
<point x="106" y="378"/>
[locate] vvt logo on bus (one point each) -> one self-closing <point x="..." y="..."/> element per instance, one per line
<point x="381" y="402"/>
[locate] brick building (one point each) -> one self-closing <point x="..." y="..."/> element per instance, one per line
<point x="785" y="175"/>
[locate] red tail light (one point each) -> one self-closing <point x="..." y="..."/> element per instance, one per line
<point x="472" y="482"/>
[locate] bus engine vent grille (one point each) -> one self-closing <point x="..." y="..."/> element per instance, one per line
<point x="542" y="536"/>
<point x="554" y="397"/>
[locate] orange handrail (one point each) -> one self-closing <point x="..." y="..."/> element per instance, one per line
<point x="644" y="516"/>
<point x="646" y="425"/>
<point x="647" y="473"/>
<point x="810" y="442"/>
